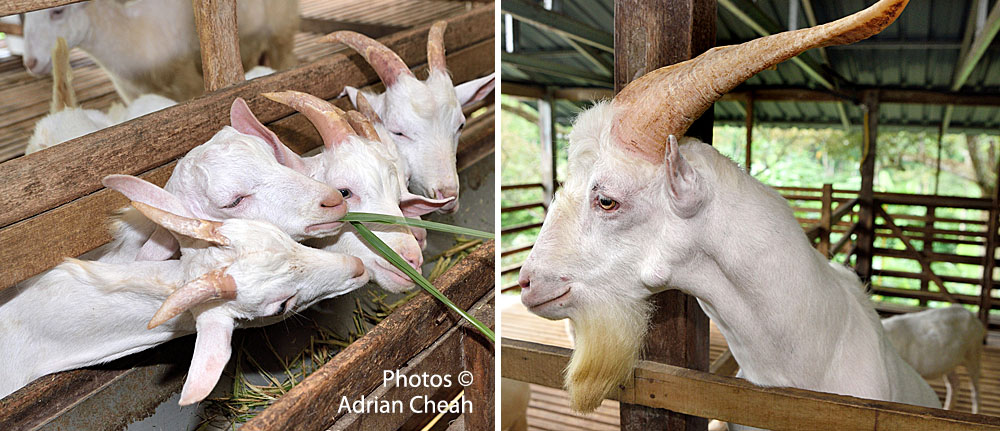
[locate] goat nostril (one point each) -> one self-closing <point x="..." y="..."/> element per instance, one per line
<point x="331" y="201"/>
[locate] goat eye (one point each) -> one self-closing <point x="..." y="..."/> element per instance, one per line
<point x="400" y="134"/>
<point x="607" y="203"/>
<point x="346" y="193"/>
<point x="461" y="126"/>
<point x="56" y="13"/>
<point x="235" y="202"/>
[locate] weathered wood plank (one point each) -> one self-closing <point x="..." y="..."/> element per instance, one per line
<point x="358" y="369"/>
<point x="866" y="196"/>
<point x="13" y="7"/>
<point x="478" y="358"/>
<point x="735" y="400"/>
<point x="78" y="226"/>
<point x="220" y="42"/>
<point x="40" y="181"/>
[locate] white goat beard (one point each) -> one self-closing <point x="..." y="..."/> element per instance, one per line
<point x="608" y="341"/>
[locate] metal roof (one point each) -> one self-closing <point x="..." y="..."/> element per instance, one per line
<point x="920" y="51"/>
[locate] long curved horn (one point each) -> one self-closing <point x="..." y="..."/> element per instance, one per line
<point x="324" y="116"/>
<point x="435" y="47"/>
<point x="667" y="100"/>
<point x="361" y="125"/>
<point x="386" y="63"/>
<point x="195" y="228"/>
<point x="213" y="285"/>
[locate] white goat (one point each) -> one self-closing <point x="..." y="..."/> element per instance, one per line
<point x="423" y="118"/>
<point x="936" y="341"/>
<point x="657" y="215"/>
<point x="363" y="168"/>
<point x="236" y="273"/>
<point x="244" y="171"/>
<point x="151" y="46"/>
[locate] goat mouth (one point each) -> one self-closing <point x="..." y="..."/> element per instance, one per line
<point x="395" y="274"/>
<point x="324" y="227"/>
<point x="544" y="302"/>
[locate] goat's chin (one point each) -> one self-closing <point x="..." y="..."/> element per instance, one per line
<point x="607" y="345"/>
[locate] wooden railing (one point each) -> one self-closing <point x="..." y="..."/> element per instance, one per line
<point x="509" y="230"/>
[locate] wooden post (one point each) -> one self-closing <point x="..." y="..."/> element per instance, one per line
<point x="547" y="136"/>
<point x="650" y="34"/>
<point x="749" y="126"/>
<point x="866" y="197"/>
<point x="928" y="244"/>
<point x="220" y="42"/>
<point x="825" y="216"/>
<point x="989" y="255"/>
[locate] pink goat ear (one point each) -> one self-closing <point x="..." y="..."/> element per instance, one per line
<point x="140" y="190"/>
<point x="212" y="349"/>
<point x="243" y="120"/>
<point x="160" y="246"/>
<point x="475" y="90"/>
<point x="685" y="188"/>
<point x="415" y="205"/>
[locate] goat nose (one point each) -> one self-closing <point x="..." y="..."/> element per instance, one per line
<point x="30" y="62"/>
<point x="332" y="200"/>
<point x="414" y="258"/>
<point x="445" y="193"/>
<point x="524" y="279"/>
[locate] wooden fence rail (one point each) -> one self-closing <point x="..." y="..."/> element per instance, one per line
<point x="708" y="395"/>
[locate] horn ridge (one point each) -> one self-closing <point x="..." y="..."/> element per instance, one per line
<point x="666" y="101"/>
<point x="386" y="63"/>
<point x="210" y="286"/>
<point x="435" y="47"/>
<point x="325" y="117"/>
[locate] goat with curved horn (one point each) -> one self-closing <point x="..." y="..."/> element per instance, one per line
<point x="195" y="228"/>
<point x="327" y="118"/>
<point x="666" y="101"/>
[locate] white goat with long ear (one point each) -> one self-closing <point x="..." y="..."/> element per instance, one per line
<point x="423" y="118"/>
<point x="236" y="273"/>
<point x="244" y="171"/>
<point x="936" y="341"/>
<point x="151" y="46"/>
<point x="640" y="213"/>
<point x="363" y="168"/>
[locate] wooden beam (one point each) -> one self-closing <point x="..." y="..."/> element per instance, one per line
<point x="749" y="126"/>
<point x="704" y="394"/>
<point x="866" y="196"/>
<point x="11" y="29"/>
<point x="558" y="23"/>
<point x="14" y="7"/>
<point x="974" y="43"/>
<point x="313" y="403"/>
<point x="989" y="255"/>
<point x="535" y="64"/>
<point x="751" y="15"/>
<point x="826" y="220"/>
<point x="547" y="139"/>
<point x="326" y="26"/>
<point x="220" y="42"/>
<point x="573" y="94"/>
<point x="678" y="332"/>
<point x="913" y="253"/>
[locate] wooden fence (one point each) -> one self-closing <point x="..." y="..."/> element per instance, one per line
<point x="52" y="205"/>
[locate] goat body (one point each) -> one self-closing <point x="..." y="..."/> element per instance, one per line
<point x="936" y="341"/>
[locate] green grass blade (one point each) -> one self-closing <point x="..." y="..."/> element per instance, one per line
<point x="429" y="225"/>
<point x="398" y="261"/>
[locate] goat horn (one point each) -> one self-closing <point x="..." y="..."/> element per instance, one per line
<point x="435" y="47"/>
<point x="213" y="285"/>
<point x="366" y="108"/>
<point x="324" y="116"/>
<point x="195" y="228"/>
<point x="63" y="95"/>
<point x="361" y="125"/>
<point x="386" y="63"/>
<point x="667" y="100"/>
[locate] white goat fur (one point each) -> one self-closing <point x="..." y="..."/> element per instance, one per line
<point x="936" y="341"/>
<point x="151" y="46"/>
<point x="83" y="313"/>
<point x="424" y="120"/>
<point x="700" y="224"/>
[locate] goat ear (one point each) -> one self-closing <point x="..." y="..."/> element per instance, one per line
<point x="243" y="120"/>
<point x="685" y="187"/>
<point x="415" y="205"/>
<point x="160" y="246"/>
<point x="475" y="90"/>
<point x="139" y="190"/>
<point x="212" y="349"/>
